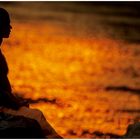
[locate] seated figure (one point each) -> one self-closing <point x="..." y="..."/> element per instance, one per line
<point x="8" y="102"/>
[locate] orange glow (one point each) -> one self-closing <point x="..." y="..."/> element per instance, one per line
<point x="46" y="62"/>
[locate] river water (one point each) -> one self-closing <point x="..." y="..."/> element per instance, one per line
<point x="77" y="63"/>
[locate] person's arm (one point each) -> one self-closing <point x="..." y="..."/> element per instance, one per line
<point x="7" y="99"/>
<point x="7" y="96"/>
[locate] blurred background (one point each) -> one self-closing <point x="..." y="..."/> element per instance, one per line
<point x="78" y="62"/>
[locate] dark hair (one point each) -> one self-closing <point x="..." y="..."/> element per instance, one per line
<point x="4" y="16"/>
<point x="4" y="22"/>
<point x="3" y="13"/>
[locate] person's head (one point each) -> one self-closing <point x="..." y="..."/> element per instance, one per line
<point x="5" y="26"/>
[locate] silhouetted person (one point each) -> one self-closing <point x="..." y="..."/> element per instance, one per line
<point x="6" y="97"/>
<point x="8" y="102"/>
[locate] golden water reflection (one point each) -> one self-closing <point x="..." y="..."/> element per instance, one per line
<point x="44" y="63"/>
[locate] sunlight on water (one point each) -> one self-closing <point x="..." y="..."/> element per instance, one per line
<point x="46" y="63"/>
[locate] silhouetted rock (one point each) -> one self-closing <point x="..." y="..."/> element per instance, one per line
<point x="19" y="127"/>
<point x="133" y="131"/>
